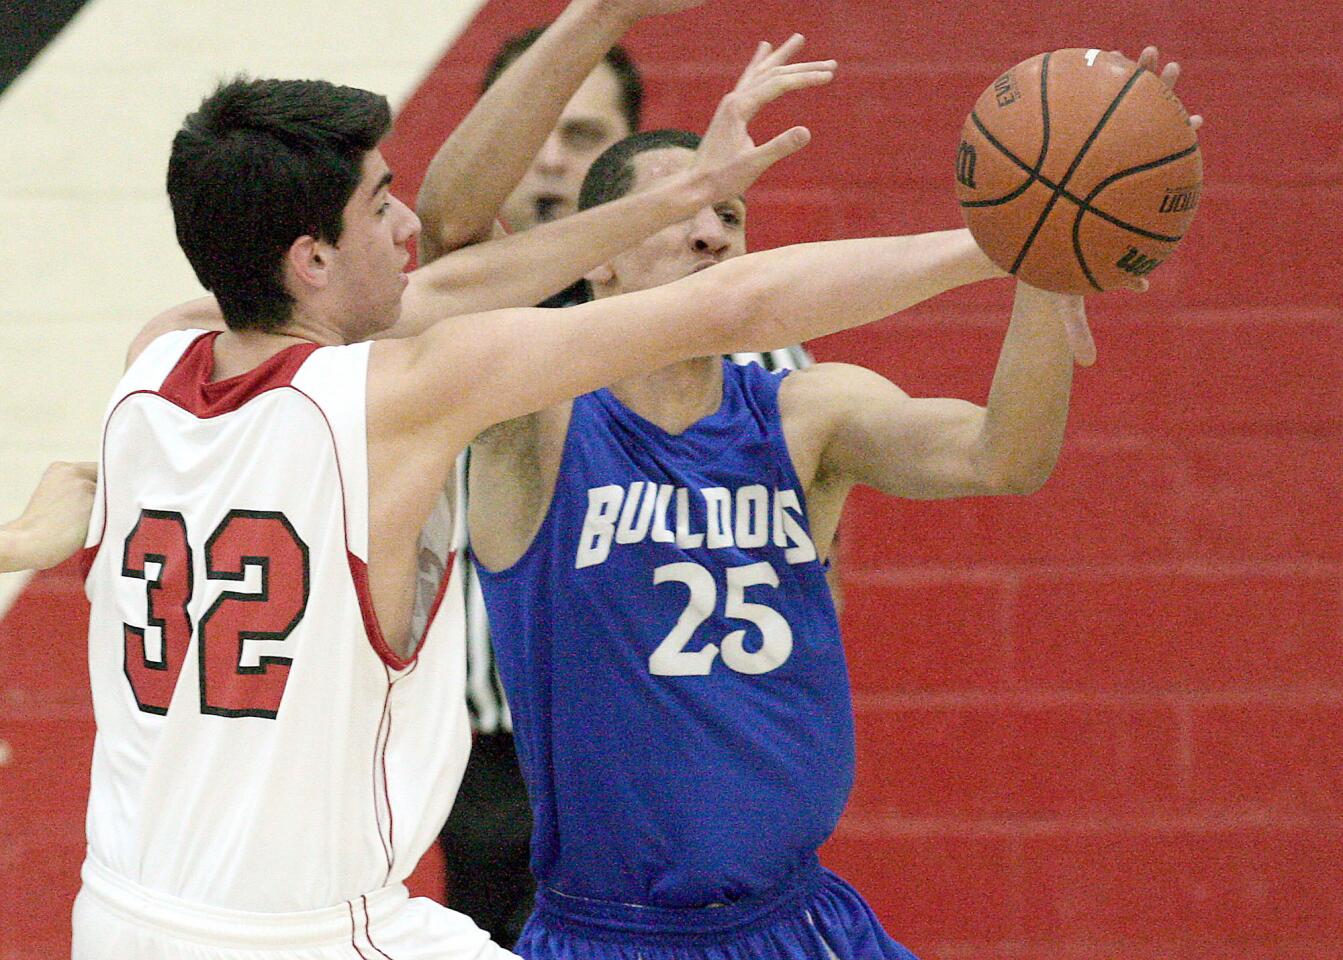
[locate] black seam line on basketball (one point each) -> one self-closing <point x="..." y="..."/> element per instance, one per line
<point x="1083" y="207"/>
<point x="1044" y="114"/>
<point x="1077" y="251"/>
<point x="1033" y="175"/>
<point x="1087" y="205"/>
<point x="1077" y="161"/>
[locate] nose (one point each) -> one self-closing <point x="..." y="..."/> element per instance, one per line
<point x="707" y="233"/>
<point x="408" y="224"/>
<point x="551" y="160"/>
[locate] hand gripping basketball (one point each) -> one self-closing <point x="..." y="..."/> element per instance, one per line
<point x="1079" y="170"/>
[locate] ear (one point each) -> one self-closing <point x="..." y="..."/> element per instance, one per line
<point x="308" y="262"/>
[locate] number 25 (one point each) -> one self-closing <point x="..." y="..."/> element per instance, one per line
<point x="670" y="659"/>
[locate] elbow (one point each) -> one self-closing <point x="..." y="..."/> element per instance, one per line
<point x="1022" y="485"/>
<point x="1018" y="478"/>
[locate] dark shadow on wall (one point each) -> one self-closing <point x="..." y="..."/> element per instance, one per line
<point x="26" y="27"/>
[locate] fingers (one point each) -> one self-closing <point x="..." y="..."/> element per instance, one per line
<point x="1195" y="122"/>
<point x="785" y="52"/>
<point x="1148" y="58"/>
<point x="762" y="50"/>
<point x="1080" y="340"/>
<point x="831" y="65"/>
<point x="785" y="144"/>
<point x="753" y="97"/>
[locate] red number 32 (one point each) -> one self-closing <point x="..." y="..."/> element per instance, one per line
<point x="235" y="680"/>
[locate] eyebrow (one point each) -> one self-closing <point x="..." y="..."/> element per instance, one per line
<point x="385" y="181"/>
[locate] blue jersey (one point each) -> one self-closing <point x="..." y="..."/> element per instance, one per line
<point x="671" y="653"/>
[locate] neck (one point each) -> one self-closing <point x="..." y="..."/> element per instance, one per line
<point x="237" y="351"/>
<point x="677" y="395"/>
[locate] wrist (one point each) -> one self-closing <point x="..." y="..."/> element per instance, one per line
<point x="615" y="14"/>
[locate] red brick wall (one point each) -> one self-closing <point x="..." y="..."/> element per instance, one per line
<point x="1104" y="721"/>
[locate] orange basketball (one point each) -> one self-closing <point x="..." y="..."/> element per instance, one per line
<point x="1078" y="171"/>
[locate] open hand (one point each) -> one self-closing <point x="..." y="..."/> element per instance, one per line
<point x="55" y="522"/>
<point x="1169" y="74"/>
<point x="728" y="154"/>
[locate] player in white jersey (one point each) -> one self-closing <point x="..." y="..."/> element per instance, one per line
<point x="248" y="704"/>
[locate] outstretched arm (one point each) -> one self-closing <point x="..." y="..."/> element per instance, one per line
<point x="485" y="157"/>
<point x="868" y="430"/>
<point x="468" y="373"/>
<point x="527" y="267"/>
<point x="54" y="524"/>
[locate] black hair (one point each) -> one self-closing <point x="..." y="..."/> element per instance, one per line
<point x="611" y="175"/>
<point x="258" y="165"/>
<point x="627" y="74"/>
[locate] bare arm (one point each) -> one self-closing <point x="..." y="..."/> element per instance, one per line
<point x="484" y="158"/>
<point x="468" y="373"/>
<point x="53" y="526"/>
<point x="527" y="267"/>
<point x="932" y="448"/>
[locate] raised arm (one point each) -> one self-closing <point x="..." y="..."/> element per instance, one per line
<point x="527" y="267"/>
<point x="468" y="373"/>
<point x="867" y="430"/>
<point x="53" y="526"/>
<point x="484" y="158"/>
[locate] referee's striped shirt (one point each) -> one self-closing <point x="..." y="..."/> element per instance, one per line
<point x="446" y="531"/>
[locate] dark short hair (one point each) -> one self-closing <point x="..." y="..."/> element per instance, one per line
<point x="258" y="165"/>
<point x="611" y="175"/>
<point x="627" y="74"/>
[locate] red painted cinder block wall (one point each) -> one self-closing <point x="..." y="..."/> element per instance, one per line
<point x="1104" y="721"/>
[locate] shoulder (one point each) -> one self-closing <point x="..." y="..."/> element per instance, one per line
<point x="827" y="387"/>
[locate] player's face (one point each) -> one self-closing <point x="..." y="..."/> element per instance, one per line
<point x="368" y="264"/>
<point x="712" y="235"/>
<point x="591" y="122"/>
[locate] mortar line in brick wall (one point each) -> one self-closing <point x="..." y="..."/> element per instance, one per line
<point x="1037" y="699"/>
<point x="999" y="573"/>
<point x="59" y="707"/>
<point x="1007" y="613"/>
<point x="873" y="826"/>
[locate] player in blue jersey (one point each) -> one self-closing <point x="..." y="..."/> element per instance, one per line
<point x="652" y="555"/>
<point x="653" y="559"/>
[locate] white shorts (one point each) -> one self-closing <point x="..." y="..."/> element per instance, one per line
<point x="115" y="919"/>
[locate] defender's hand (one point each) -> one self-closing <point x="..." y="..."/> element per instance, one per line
<point x="728" y="154"/>
<point x="56" y="520"/>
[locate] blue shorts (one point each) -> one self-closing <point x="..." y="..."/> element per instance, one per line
<point x="814" y="915"/>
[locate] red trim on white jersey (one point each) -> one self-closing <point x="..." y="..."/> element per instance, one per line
<point x="359" y="573"/>
<point x="190" y="385"/>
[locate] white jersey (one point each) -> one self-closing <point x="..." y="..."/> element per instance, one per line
<point x="259" y="747"/>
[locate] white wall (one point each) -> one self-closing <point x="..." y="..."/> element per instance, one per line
<point x="87" y="252"/>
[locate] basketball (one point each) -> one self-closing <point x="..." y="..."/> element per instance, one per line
<point x="1078" y="171"/>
